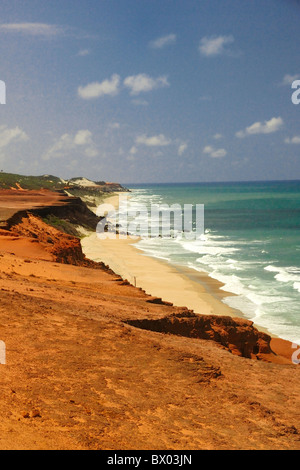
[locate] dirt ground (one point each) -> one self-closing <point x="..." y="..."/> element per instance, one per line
<point x="77" y="376"/>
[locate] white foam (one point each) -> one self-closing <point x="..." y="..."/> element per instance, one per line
<point x="263" y="298"/>
<point x="204" y="248"/>
<point x="287" y="274"/>
<point x="296" y="286"/>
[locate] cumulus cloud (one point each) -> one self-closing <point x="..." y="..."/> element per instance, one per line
<point x="33" y="29"/>
<point x="154" y="141"/>
<point x="83" y="137"/>
<point x="215" y="45"/>
<point x="81" y="142"/>
<point x="136" y="84"/>
<point x="268" y="127"/>
<point x="95" y="90"/>
<point x="11" y="135"/>
<point x="163" y="41"/>
<point x="143" y="83"/>
<point x="293" y="140"/>
<point x="182" y="148"/>
<point x="213" y="152"/>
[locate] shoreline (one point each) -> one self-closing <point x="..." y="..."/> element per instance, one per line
<point x="94" y="363"/>
<point x="182" y="286"/>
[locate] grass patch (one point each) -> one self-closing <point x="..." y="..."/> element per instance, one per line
<point x="10" y="180"/>
<point x="62" y="225"/>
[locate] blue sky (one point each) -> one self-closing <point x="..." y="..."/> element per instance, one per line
<point x="151" y="91"/>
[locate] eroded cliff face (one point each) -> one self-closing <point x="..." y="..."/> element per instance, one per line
<point x="236" y="335"/>
<point x="16" y="203"/>
<point x="71" y="209"/>
<point x="63" y="248"/>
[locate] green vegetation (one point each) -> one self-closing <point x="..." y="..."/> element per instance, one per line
<point x="62" y="225"/>
<point x="10" y="180"/>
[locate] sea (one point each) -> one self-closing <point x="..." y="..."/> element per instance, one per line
<point x="250" y="242"/>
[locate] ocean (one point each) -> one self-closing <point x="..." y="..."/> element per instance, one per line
<point x="251" y="243"/>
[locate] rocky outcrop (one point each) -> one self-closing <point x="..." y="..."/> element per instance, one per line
<point x="64" y="248"/>
<point x="234" y="334"/>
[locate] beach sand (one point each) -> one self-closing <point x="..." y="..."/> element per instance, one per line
<point x="179" y="285"/>
<point x="156" y="277"/>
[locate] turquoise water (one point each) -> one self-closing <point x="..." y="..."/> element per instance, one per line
<point x="251" y="244"/>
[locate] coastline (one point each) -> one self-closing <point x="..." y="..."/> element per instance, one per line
<point x="95" y="363"/>
<point x="179" y="285"/>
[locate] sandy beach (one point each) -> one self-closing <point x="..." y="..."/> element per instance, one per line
<point x="179" y="285"/>
<point x="156" y="277"/>
<point x="182" y="286"/>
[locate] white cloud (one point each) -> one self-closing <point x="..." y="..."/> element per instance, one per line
<point x="182" y="148"/>
<point x="288" y="79"/>
<point x="214" y="153"/>
<point x="135" y="83"/>
<point x="293" y="140"/>
<point x="163" y="41"/>
<point x="154" y="141"/>
<point x="96" y="89"/>
<point x="268" y="127"/>
<point x="8" y="136"/>
<point x="32" y="29"/>
<point x="83" y="137"/>
<point x="218" y="153"/>
<point x="212" y="46"/>
<point x="81" y="142"/>
<point x="143" y="83"/>
<point x="208" y="149"/>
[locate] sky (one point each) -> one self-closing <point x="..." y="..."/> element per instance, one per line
<point x="150" y="91"/>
